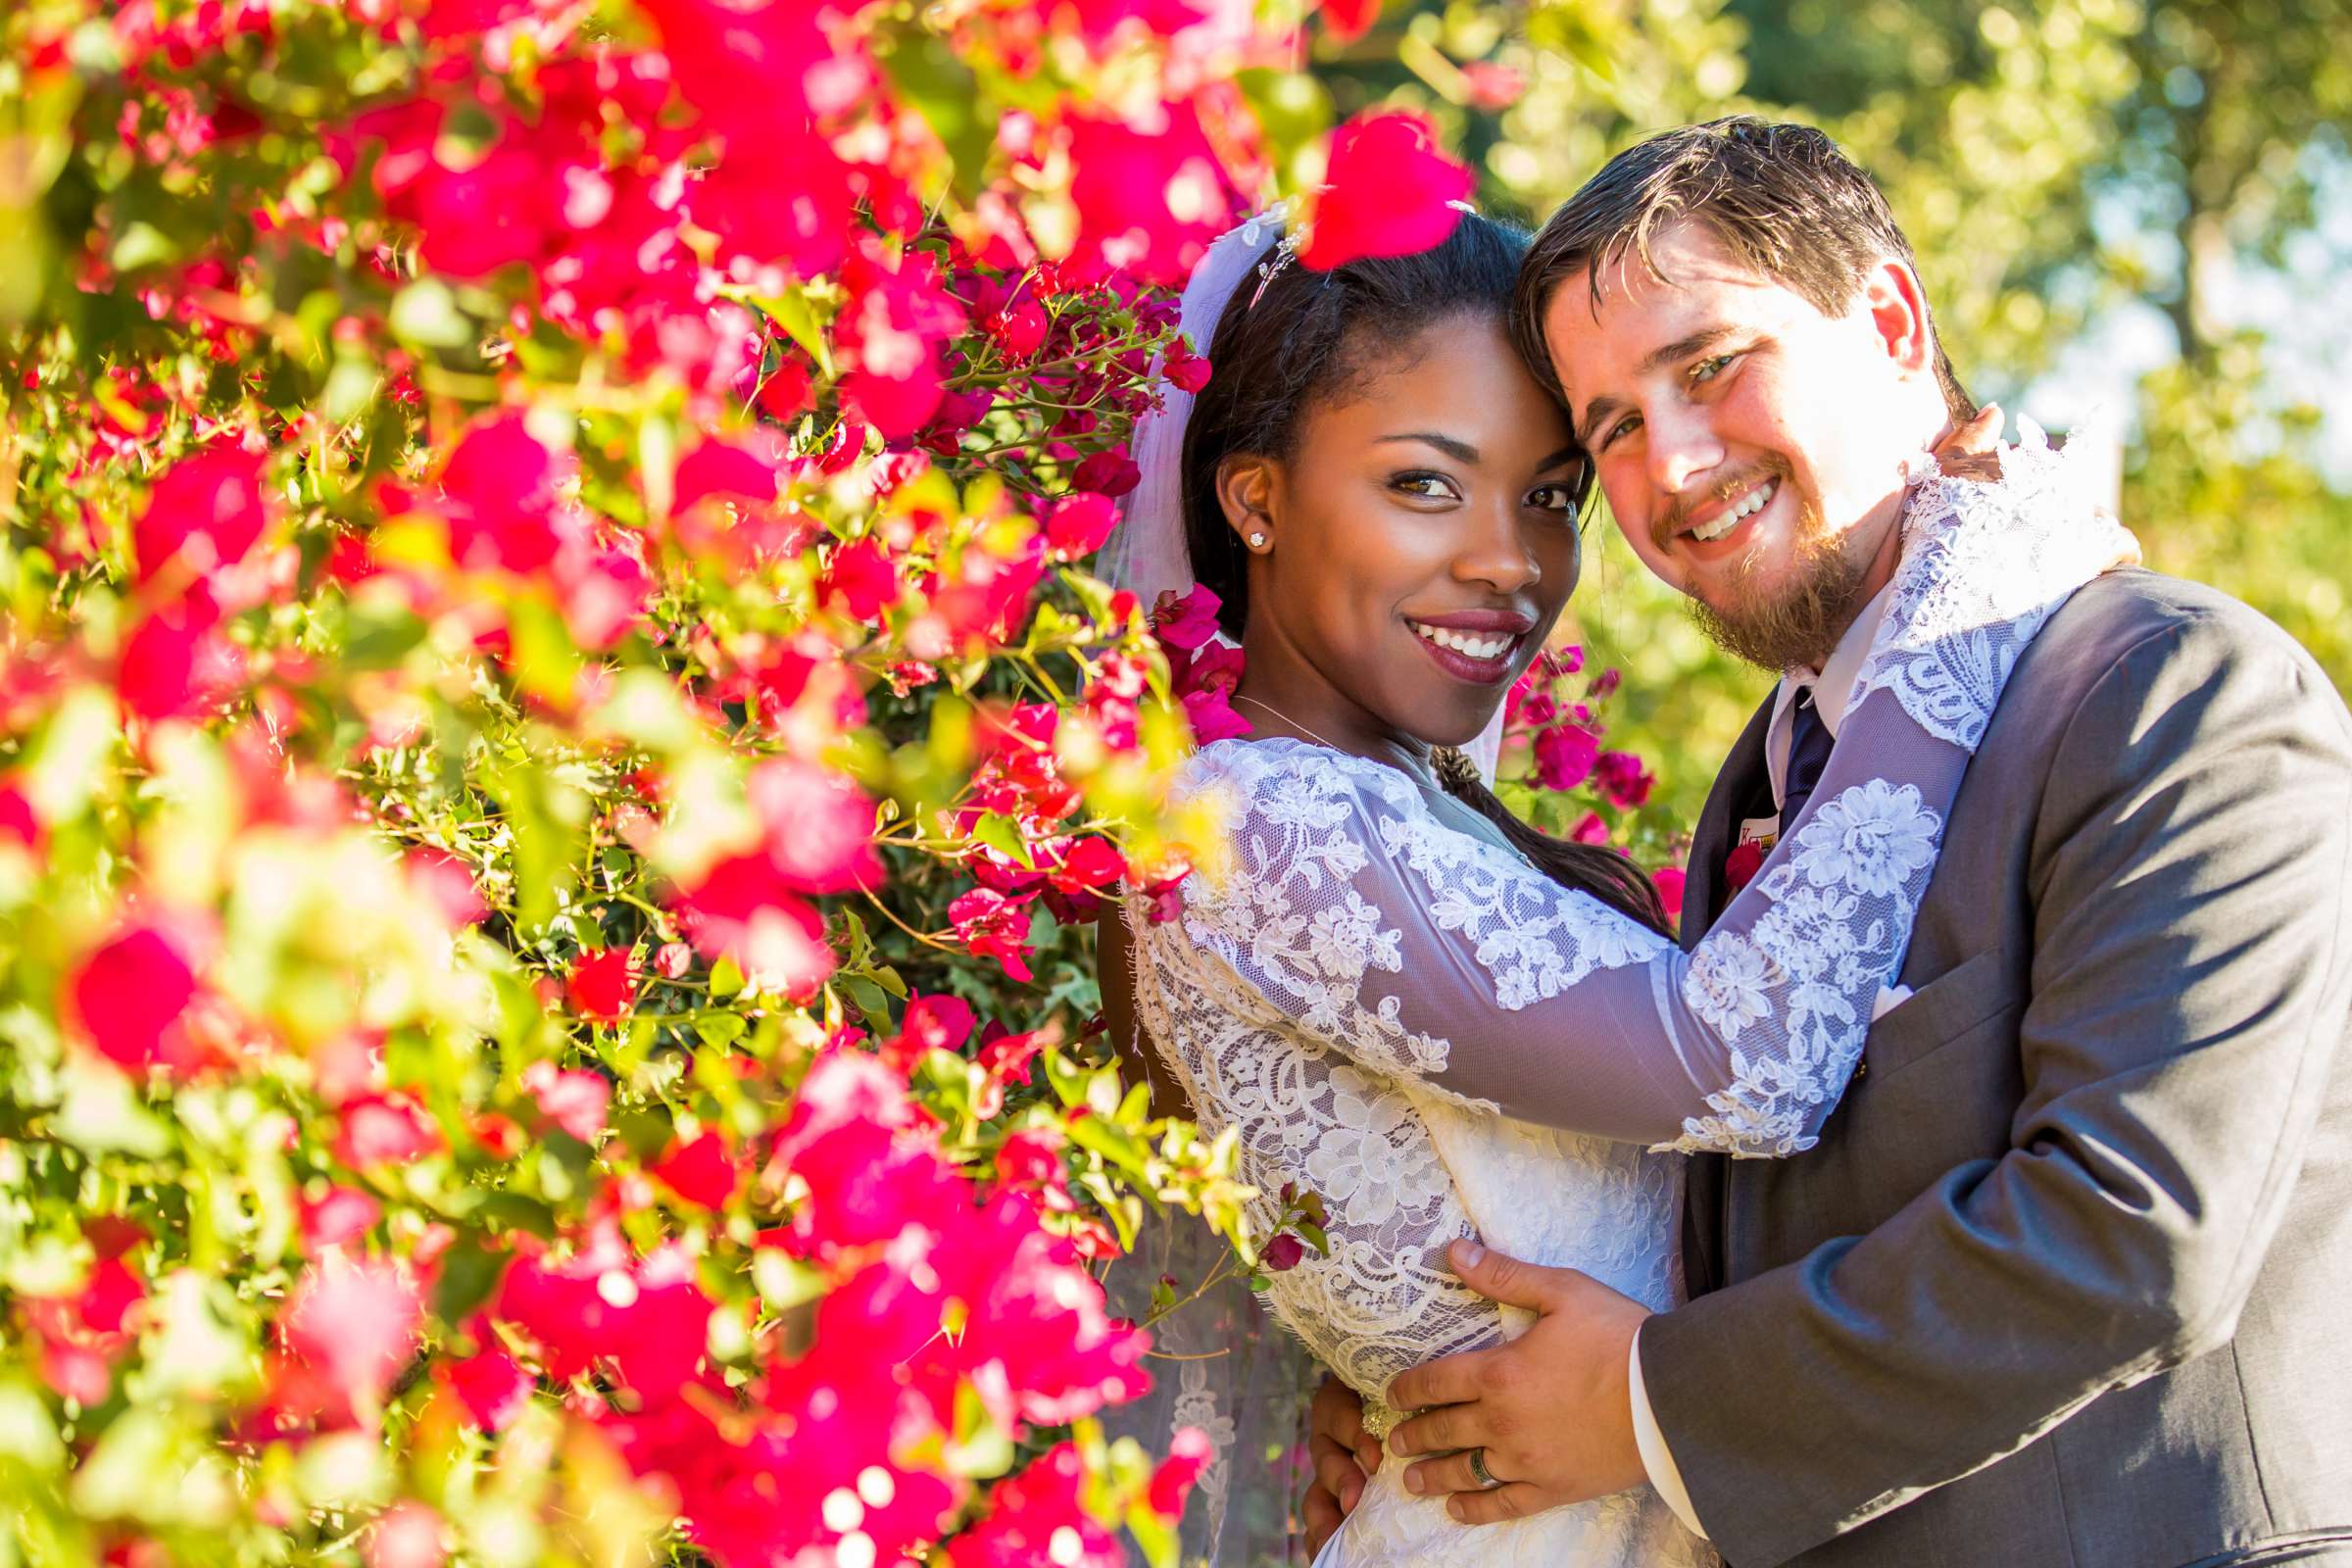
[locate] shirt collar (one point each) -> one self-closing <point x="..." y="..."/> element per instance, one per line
<point x="1832" y="683"/>
<point x="1832" y="688"/>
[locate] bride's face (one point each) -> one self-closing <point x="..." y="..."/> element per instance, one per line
<point x="1422" y="540"/>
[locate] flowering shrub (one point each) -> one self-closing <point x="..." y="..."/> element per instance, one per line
<point x="548" y="698"/>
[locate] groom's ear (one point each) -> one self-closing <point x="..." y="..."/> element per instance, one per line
<point x="1246" y="486"/>
<point x="1898" y="308"/>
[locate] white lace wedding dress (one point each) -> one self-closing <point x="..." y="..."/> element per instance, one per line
<point x="1397" y="1010"/>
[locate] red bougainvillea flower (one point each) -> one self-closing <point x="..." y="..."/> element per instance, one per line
<point x="131" y="992"/>
<point x="1108" y="472"/>
<point x="493" y="1387"/>
<point x="1388" y="192"/>
<point x="894" y="330"/>
<point x="603" y="984"/>
<point x="1190" y="1454"/>
<point x="177" y="663"/>
<point x="1565" y="756"/>
<point x="993" y="926"/>
<point x="353" y="1321"/>
<point x="931" y="1024"/>
<point x="647" y="1319"/>
<point x="700" y="1170"/>
<point x="1077" y="525"/>
<point x="1622" y="779"/>
<point x="860" y="580"/>
<point x="500" y="494"/>
<point x="1349" y="19"/>
<point x="1590" y="829"/>
<point x="1038" y="1516"/>
<point x="745" y="910"/>
<point x="205" y="513"/>
<point x="447" y="884"/>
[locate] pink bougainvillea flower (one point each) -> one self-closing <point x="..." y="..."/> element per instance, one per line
<point x="338" y="1215"/>
<point x="746" y="909"/>
<point x="353" y="1321"/>
<point x="131" y="993"/>
<point x="1186" y="371"/>
<point x="647" y="1319"/>
<point x="1186" y="621"/>
<point x="1009" y="1056"/>
<point x="1077" y="525"/>
<point x="574" y="1098"/>
<point x="447" y="884"/>
<point x="894" y="330"/>
<point x="699" y="1170"/>
<point x="407" y="1535"/>
<point x="1590" y="829"/>
<point x="819" y="826"/>
<point x="493" y="1387"/>
<point x="1668" y="880"/>
<point x="1494" y="88"/>
<point x="1565" y="756"/>
<point x="1622" y="779"/>
<point x="603" y="984"/>
<point x="1388" y="192"/>
<point x="1150" y="193"/>
<point x="499" y="489"/>
<point x="384" y="1130"/>
<point x="205" y="513"/>
<point x="993" y="926"/>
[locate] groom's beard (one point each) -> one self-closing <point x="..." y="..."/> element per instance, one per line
<point x="1797" y="622"/>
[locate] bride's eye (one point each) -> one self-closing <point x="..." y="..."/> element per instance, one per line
<point x="1425" y="485"/>
<point x="1557" y="498"/>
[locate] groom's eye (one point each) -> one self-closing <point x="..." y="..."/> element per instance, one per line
<point x="1708" y="368"/>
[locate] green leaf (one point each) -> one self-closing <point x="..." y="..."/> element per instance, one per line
<point x="519" y="1213"/>
<point x="1002" y="834"/>
<point x="927" y="75"/>
<point x="470" y="1272"/>
<point x="720" y="1031"/>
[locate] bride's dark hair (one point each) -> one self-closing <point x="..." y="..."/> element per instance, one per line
<point x="1312" y="336"/>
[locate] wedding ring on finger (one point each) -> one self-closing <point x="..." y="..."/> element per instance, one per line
<point x="1479" y="1471"/>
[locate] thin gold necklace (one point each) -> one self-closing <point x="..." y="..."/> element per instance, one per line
<point x="1244" y="696"/>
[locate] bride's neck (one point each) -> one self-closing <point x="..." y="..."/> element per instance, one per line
<point x="1280" y="694"/>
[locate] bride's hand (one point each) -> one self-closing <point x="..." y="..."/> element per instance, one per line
<point x="1344" y="1455"/>
<point x="1973" y="450"/>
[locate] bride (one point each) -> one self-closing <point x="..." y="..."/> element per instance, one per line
<point x="1444" y="1022"/>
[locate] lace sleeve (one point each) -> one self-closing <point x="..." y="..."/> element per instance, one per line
<point x="1420" y="952"/>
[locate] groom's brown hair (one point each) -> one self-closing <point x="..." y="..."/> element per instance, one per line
<point x="1780" y="199"/>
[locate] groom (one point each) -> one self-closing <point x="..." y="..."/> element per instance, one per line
<point x="2068" y="1279"/>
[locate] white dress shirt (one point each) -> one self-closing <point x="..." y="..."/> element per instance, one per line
<point x="1832" y="688"/>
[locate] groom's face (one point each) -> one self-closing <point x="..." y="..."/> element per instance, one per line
<point x="1749" y="445"/>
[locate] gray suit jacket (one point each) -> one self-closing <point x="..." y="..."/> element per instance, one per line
<point x="2069" y="1278"/>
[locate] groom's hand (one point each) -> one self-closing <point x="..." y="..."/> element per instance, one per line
<point x="1343" y="1454"/>
<point x="1550" y="1409"/>
<point x="1974" y="450"/>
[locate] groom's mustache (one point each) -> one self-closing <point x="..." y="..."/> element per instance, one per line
<point x="1675" y="517"/>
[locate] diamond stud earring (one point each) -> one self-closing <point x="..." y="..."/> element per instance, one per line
<point x="1257" y="541"/>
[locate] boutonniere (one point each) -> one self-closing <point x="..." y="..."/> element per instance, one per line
<point x="1742" y="864"/>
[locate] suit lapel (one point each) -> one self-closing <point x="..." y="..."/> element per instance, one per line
<point x="1743" y="778"/>
<point x="1704" y="1186"/>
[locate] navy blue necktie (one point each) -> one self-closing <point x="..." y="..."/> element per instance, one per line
<point x="1809" y="743"/>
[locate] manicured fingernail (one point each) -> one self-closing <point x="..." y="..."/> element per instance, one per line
<point x="1455" y="1508"/>
<point x="1412" y="1480"/>
<point x="1469" y="1254"/>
